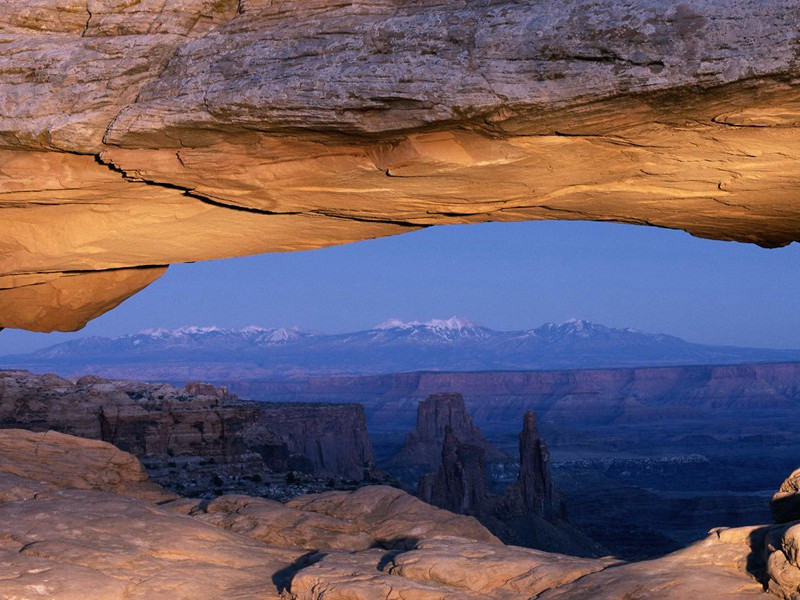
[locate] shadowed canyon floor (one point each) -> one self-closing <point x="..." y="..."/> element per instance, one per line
<point x="108" y="533"/>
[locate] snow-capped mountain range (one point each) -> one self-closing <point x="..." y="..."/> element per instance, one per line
<point x="454" y="344"/>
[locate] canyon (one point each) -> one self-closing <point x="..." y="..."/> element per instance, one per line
<point x="199" y="438"/>
<point x="669" y="451"/>
<point x="529" y="512"/>
<point x="137" y="135"/>
<point x="134" y="136"/>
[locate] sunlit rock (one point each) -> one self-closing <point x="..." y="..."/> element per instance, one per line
<point x="143" y="134"/>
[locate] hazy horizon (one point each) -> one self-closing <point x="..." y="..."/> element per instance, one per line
<point x="504" y="276"/>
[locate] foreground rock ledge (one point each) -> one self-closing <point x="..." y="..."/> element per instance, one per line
<point x="80" y="521"/>
<point x="135" y="135"/>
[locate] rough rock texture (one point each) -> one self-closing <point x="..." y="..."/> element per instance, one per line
<point x="53" y="460"/>
<point x="785" y="503"/>
<point x="150" y="133"/>
<point x="94" y="545"/>
<point x="333" y="437"/>
<point x="529" y="513"/>
<point x="533" y="492"/>
<point x="587" y="397"/>
<point x="712" y="568"/>
<point x="391" y="516"/>
<point x="435" y="415"/>
<point x="195" y="434"/>
<point x="88" y="544"/>
<point x="479" y="567"/>
<point x="461" y="483"/>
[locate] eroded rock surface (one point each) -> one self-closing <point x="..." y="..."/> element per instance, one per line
<point x="139" y="135"/>
<point x="193" y="436"/>
<point x="785" y="503"/>
<point x="32" y="462"/>
<point x="391" y="516"/>
<point x="91" y="544"/>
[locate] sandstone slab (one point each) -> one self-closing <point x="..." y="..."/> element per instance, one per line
<point x="88" y="544"/>
<point x="392" y="517"/>
<point x="63" y="461"/>
<point x="134" y="135"/>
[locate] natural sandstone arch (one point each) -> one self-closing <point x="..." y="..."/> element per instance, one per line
<point x="134" y="135"/>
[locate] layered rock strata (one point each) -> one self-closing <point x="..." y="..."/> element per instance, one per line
<point x="422" y="448"/>
<point x="200" y="437"/>
<point x="582" y="398"/>
<point x="72" y="538"/>
<point x="530" y="512"/>
<point x="133" y="136"/>
<point x="533" y="492"/>
<point x="461" y="483"/>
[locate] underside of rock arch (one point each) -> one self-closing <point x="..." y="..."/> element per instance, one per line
<point x="134" y="135"/>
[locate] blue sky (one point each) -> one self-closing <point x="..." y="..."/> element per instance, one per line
<point x="502" y="275"/>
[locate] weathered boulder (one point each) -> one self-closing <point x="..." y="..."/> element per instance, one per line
<point x="722" y="567"/>
<point x="279" y="525"/>
<point x="391" y="516"/>
<point x="339" y="576"/>
<point x="75" y="545"/>
<point x="134" y="136"/>
<point x="785" y="504"/>
<point x="34" y="462"/>
<point x="489" y="568"/>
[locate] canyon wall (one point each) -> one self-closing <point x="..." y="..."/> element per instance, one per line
<point x="588" y="397"/>
<point x="333" y="437"/>
<point x="133" y="136"/>
<point x="200" y="428"/>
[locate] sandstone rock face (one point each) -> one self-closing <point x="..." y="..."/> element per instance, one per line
<point x="435" y="415"/>
<point x="333" y="437"/>
<point x="393" y="517"/>
<point x="135" y="135"/>
<point x="79" y="544"/>
<point x="70" y="545"/>
<point x="461" y="483"/>
<point x="203" y="430"/>
<point x="482" y="568"/>
<point x="785" y="503"/>
<point x="33" y="462"/>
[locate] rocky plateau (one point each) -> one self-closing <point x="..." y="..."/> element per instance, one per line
<point x="134" y="135"/>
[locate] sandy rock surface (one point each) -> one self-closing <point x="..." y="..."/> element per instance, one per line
<point x="65" y="534"/>
<point x="136" y="135"/>
<point x="57" y="461"/>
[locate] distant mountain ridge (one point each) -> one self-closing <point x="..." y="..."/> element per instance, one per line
<point x="454" y="344"/>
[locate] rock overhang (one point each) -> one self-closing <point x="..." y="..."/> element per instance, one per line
<point x="134" y="137"/>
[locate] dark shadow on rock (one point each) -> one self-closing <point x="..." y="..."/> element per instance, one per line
<point x="399" y="544"/>
<point x="387" y="558"/>
<point x="282" y="579"/>
<point x="756" y="560"/>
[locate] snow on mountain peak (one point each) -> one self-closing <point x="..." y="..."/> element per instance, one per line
<point x="395" y="324"/>
<point x="284" y="334"/>
<point x="452" y="324"/>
